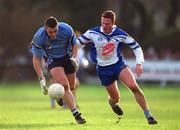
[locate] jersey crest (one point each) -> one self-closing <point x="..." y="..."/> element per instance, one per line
<point x="108" y="48"/>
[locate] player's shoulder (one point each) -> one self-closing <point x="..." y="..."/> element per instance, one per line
<point x="40" y="32"/>
<point x="66" y="28"/>
<point x="119" y="31"/>
<point x="39" y="35"/>
<point x="95" y="29"/>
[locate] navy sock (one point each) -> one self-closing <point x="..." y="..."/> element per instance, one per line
<point x="147" y="113"/>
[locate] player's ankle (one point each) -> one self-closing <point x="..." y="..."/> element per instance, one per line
<point x="113" y="103"/>
<point x="147" y="113"/>
<point x="75" y="112"/>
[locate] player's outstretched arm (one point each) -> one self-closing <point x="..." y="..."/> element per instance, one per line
<point x="74" y="56"/>
<point x="38" y="69"/>
<point x="139" y="61"/>
<point x="37" y="66"/>
<point x="74" y="51"/>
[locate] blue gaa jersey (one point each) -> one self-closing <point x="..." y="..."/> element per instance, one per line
<point x="43" y="46"/>
<point x="106" y="48"/>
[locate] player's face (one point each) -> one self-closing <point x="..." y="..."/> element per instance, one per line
<point x="106" y="24"/>
<point x="52" y="32"/>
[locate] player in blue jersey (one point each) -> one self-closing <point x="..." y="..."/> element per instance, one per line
<point x="56" y="42"/>
<point x="107" y="41"/>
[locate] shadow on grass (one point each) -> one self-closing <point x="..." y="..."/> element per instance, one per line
<point x="31" y="126"/>
<point x="11" y="126"/>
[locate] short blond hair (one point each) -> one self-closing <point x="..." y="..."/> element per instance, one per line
<point x="109" y="14"/>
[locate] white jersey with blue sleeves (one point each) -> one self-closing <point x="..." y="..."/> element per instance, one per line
<point x="107" y="47"/>
<point x="42" y="45"/>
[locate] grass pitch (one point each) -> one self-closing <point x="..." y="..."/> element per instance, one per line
<point x="24" y="107"/>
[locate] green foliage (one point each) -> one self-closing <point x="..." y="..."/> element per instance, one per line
<point x="23" y="107"/>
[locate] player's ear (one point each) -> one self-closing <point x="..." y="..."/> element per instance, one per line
<point x="45" y="27"/>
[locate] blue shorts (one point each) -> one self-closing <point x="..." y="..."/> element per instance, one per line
<point x="108" y="74"/>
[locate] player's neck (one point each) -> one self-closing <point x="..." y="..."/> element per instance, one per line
<point x="107" y="32"/>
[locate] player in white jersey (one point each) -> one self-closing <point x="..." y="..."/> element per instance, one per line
<point x="108" y="41"/>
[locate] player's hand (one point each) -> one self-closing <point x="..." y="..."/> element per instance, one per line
<point x="44" y="88"/>
<point x="139" y="70"/>
<point x="74" y="62"/>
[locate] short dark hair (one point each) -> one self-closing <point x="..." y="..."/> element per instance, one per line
<point x="109" y="14"/>
<point x="51" y="22"/>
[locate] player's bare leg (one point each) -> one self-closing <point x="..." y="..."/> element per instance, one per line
<point x="128" y="79"/>
<point x="113" y="98"/>
<point x="59" y="75"/>
<point x="74" y="83"/>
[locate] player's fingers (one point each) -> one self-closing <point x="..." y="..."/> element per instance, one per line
<point x="139" y="72"/>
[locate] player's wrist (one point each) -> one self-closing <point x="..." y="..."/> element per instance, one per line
<point x="139" y="63"/>
<point x="73" y="58"/>
<point x="74" y="62"/>
<point x="41" y="77"/>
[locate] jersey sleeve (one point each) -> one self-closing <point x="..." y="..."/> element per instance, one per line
<point x="131" y="42"/>
<point x="85" y="38"/>
<point x="136" y="49"/>
<point x="71" y="34"/>
<point x="37" y="49"/>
